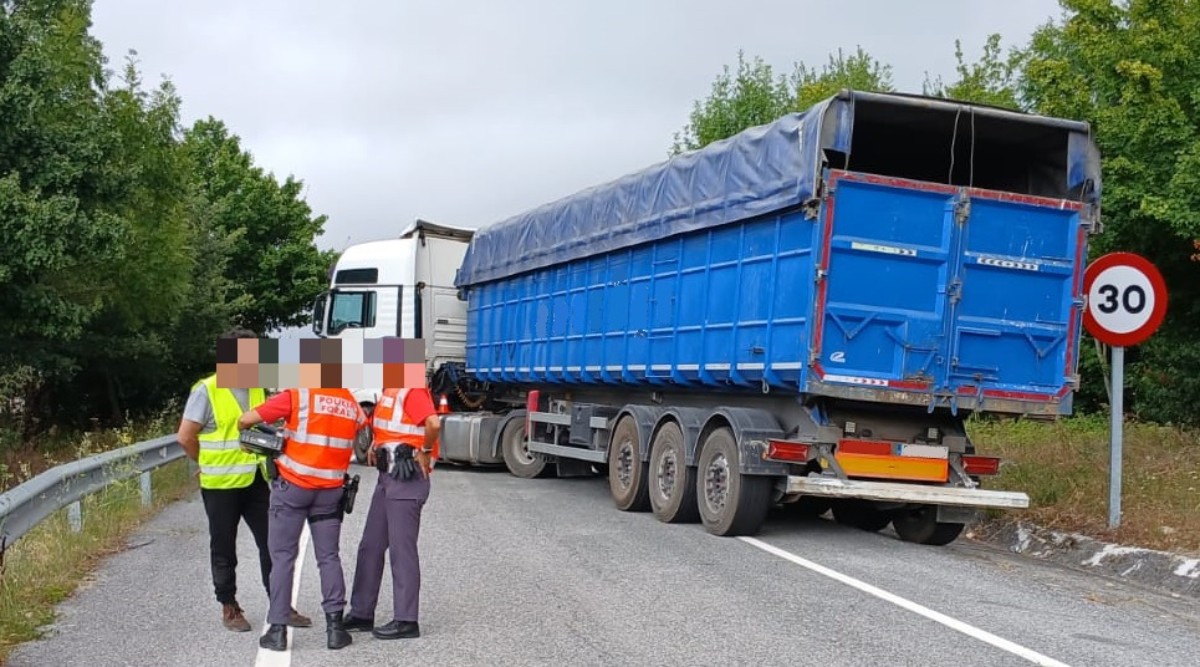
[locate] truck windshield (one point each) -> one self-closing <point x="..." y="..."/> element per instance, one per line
<point x="351" y="310"/>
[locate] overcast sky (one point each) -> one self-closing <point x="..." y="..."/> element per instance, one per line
<point x="467" y="112"/>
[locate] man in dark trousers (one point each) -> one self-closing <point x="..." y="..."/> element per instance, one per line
<point x="320" y="427"/>
<point x="232" y="485"/>
<point x="405" y="426"/>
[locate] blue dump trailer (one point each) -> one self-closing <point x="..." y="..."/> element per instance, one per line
<point x="803" y="314"/>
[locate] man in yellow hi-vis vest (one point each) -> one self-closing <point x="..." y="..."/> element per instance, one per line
<point x="233" y="485"/>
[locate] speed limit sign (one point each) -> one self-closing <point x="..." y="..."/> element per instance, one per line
<point x="1126" y="299"/>
<point x="1126" y="302"/>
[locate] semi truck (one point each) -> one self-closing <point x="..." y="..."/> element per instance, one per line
<point x="804" y="315"/>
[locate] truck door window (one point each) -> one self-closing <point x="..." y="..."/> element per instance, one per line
<point x="352" y="310"/>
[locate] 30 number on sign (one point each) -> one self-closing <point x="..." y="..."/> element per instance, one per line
<point x="1126" y="298"/>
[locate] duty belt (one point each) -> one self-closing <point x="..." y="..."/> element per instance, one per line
<point x="396" y="459"/>
<point x="345" y="503"/>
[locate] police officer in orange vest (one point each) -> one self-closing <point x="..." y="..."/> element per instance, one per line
<point x="320" y="428"/>
<point x="405" y="428"/>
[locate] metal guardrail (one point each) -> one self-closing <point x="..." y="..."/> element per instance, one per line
<point x="26" y="505"/>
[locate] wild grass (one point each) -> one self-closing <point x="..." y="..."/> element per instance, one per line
<point x="48" y="564"/>
<point x="1064" y="467"/>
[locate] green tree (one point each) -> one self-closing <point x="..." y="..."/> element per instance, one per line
<point x="1132" y="69"/>
<point x="123" y="351"/>
<point x="755" y="94"/>
<point x="859" y="71"/>
<point x="59" y="232"/>
<point x="125" y="247"/>
<point x="274" y="267"/>
<point x="993" y="79"/>
<point x="752" y="96"/>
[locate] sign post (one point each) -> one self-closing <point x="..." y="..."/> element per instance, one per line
<point x="1126" y="303"/>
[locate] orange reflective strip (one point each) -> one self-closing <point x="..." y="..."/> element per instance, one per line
<point x="910" y="468"/>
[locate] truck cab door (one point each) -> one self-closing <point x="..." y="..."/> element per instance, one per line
<point x="354" y="314"/>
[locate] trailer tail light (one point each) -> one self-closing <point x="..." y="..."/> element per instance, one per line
<point x="981" y="465"/>
<point x="787" y="451"/>
<point x="869" y="447"/>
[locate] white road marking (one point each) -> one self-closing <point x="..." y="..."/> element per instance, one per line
<point x="267" y="657"/>
<point x="970" y="630"/>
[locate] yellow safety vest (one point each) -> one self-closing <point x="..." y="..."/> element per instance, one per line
<point x="223" y="462"/>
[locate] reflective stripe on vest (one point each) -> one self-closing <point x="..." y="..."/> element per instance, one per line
<point x="391" y="423"/>
<point x="222" y="461"/>
<point x="320" y="437"/>
<point x="301" y="433"/>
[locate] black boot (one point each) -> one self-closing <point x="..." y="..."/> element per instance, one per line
<point x="337" y="635"/>
<point x="275" y="639"/>
<point x="352" y="624"/>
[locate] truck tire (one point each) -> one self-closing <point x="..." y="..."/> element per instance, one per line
<point x="809" y="507"/>
<point x="860" y="514"/>
<point x="520" y="461"/>
<point x="626" y="469"/>
<point x="730" y="503"/>
<point x="921" y="526"/>
<point x="672" y="483"/>
<point x="362" y="442"/>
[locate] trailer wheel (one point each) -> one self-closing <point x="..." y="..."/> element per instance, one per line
<point x="859" y="514"/>
<point x="520" y="461"/>
<point x="921" y="526"/>
<point x="672" y="482"/>
<point x="809" y="507"/>
<point x="730" y="503"/>
<point x="626" y="469"/>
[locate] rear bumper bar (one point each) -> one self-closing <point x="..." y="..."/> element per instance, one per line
<point x="907" y="493"/>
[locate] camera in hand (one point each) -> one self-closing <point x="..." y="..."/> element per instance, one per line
<point x="262" y="439"/>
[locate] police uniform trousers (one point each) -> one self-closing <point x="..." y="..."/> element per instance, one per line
<point x="393" y="523"/>
<point x="291" y="507"/>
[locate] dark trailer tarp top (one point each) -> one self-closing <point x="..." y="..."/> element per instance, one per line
<point x="776" y="166"/>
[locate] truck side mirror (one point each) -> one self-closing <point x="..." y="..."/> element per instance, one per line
<point x="318" y="309"/>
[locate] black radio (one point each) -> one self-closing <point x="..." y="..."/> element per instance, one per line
<point x="262" y="439"/>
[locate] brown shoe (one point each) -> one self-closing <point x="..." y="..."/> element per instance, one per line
<point x="234" y="619"/>
<point x="298" y="620"/>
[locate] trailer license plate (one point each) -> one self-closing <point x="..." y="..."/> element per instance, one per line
<point x="925" y="451"/>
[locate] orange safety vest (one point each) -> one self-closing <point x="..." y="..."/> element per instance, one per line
<point x="320" y="437"/>
<point x="391" y="424"/>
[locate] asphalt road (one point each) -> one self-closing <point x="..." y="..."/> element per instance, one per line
<point x="548" y="572"/>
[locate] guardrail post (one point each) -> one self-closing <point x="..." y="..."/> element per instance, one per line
<point x="75" y="514"/>
<point x="147" y="490"/>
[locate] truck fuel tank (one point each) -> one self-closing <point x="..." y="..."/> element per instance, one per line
<point x="471" y="438"/>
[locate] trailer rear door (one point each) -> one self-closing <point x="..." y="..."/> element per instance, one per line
<point x="935" y="294"/>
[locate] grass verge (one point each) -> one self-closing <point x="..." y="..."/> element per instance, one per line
<point x="49" y="563"/>
<point x="1064" y="467"/>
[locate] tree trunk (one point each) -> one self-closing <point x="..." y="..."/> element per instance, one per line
<point x="114" y="400"/>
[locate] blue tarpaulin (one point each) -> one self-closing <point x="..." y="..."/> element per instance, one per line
<point x="760" y="170"/>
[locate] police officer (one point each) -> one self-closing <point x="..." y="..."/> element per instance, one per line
<point x="320" y="429"/>
<point x="232" y="485"/>
<point x="405" y="428"/>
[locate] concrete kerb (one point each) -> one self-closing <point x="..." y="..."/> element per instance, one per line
<point x="1173" y="573"/>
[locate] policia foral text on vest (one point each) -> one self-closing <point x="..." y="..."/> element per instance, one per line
<point x="319" y="433"/>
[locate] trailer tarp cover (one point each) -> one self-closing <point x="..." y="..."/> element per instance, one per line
<point x="775" y="166"/>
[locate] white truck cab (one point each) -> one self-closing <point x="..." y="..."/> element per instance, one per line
<point x="400" y="287"/>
